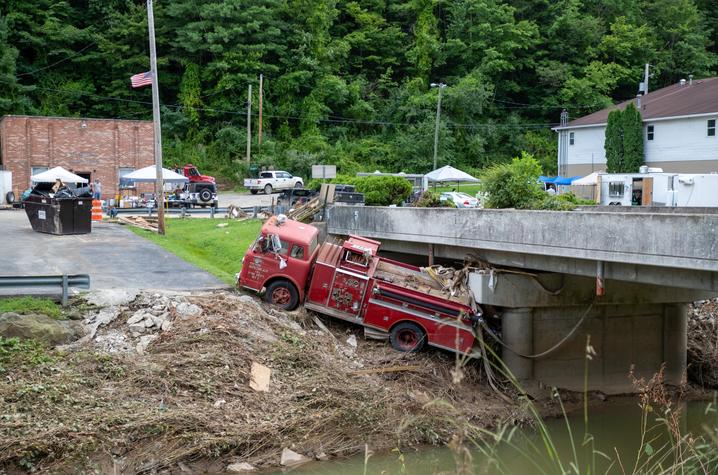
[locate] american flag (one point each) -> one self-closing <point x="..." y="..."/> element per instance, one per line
<point x="141" y="79"/>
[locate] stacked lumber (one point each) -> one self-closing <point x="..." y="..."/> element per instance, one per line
<point x="307" y="211"/>
<point x="146" y="223"/>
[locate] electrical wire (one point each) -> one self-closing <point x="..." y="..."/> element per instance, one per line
<point x="57" y="62"/>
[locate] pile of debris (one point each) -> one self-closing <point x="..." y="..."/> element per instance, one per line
<point x="143" y="222"/>
<point x="703" y="343"/>
<point x="168" y="381"/>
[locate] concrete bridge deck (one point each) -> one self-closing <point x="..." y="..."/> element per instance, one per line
<point x="670" y="249"/>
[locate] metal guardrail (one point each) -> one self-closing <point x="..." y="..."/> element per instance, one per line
<point x="65" y="281"/>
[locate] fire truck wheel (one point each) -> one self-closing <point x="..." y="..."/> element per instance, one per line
<point x="267" y="189"/>
<point x="407" y="336"/>
<point x="283" y="294"/>
<point x="254" y="192"/>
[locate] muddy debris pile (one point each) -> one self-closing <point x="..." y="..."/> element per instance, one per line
<point x="168" y="382"/>
<point x="703" y="343"/>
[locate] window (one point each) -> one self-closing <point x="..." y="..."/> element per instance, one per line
<point x="649" y="132"/>
<point x="711" y="127"/>
<point x="615" y="188"/>
<point x="35" y="170"/>
<point x="297" y="252"/>
<point x="266" y="175"/>
<point x="570" y="138"/>
<point x="125" y="184"/>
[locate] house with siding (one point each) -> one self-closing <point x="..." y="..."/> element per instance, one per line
<point x="679" y="130"/>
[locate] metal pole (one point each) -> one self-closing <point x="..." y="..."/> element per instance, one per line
<point x="436" y="130"/>
<point x="261" y="93"/>
<point x="249" y="123"/>
<point x="159" y="189"/>
<point x="645" y="79"/>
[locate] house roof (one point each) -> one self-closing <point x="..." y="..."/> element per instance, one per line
<point x="700" y="97"/>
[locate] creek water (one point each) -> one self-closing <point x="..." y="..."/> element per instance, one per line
<point x="614" y="427"/>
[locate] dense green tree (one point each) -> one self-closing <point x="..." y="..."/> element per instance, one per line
<point x="632" y="125"/>
<point x="613" y="143"/>
<point x="347" y="81"/>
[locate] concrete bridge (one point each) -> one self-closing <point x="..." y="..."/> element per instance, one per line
<point x="645" y="267"/>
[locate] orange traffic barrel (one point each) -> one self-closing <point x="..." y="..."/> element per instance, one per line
<point x="96" y="210"/>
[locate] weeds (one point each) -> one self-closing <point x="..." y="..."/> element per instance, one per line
<point x="27" y="305"/>
<point x="22" y="352"/>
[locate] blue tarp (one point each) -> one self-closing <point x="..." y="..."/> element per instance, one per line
<point x="547" y="179"/>
<point x="564" y="181"/>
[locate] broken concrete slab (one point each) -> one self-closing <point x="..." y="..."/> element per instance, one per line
<point x="241" y="467"/>
<point x="111" y="297"/>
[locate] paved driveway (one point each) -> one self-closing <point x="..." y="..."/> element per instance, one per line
<point x="112" y="255"/>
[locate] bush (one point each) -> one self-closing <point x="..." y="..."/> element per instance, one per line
<point x="378" y="190"/>
<point x="562" y="202"/>
<point x="430" y="199"/>
<point x="514" y="184"/>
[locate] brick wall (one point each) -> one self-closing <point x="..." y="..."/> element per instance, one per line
<point x="96" y="146"/>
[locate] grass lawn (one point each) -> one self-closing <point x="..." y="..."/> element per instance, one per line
<point x="469" y="189"/>
<point x="27" y="304"/>
<point x="199" y="241"/>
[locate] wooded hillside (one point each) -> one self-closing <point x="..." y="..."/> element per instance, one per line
<point x="347" y="82"/>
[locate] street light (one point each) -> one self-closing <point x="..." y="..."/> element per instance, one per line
<point x="441" y="87"/>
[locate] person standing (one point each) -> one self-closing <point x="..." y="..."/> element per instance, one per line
<point x="97" y="190"/>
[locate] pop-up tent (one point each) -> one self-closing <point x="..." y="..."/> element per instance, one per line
<point x="450" y="174"/>
<point x="149" y="174"/>
<point x="564" y="181"/>
<point x="53" y="174"/>
<point x="591" y="179"/>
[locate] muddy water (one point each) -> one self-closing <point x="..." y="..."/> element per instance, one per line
<point x="614" y="427"/>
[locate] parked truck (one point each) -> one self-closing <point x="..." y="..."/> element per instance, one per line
<point x="200" y="190"/>
<point x="271" y="181"/>
<point x="348" y="280"/>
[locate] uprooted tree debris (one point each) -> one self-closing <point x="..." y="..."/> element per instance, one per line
<point x="162" y="380"/>
<point x="703" y="343"/>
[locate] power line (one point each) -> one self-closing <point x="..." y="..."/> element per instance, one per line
<point x="57" y="62"/>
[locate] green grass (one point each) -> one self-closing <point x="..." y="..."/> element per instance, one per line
<point x="199" y="241"/>
<point x="463" y="188"/>
<point x="26" y="305"/>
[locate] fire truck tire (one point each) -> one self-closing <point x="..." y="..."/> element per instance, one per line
<point x="407" y="337"/>
<point x="267" y="189"/>
<point x="254" y="192"/>
<point x="282" y="293"/>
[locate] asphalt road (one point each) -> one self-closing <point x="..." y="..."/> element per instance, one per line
<point x="112" y="255"/>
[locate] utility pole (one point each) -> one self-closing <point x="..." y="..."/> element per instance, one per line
<point x="441" y="87"/>
<point x="159" y="185"/>
<point x="249" y="123"/>
<point x="261" y="93"/>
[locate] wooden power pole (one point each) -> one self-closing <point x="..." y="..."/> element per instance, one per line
<point x="261" y="93"/>
<point x="249" y="123"/>
<point x="159" y="185"/>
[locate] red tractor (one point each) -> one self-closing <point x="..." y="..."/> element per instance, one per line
<point x="348" y="280"/>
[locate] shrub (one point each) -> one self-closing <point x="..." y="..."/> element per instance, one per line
<point x="378" y="190"/>
<point x="562" y="202"/>
<point x="514" y="184"/>
<point x="430" y="199"/>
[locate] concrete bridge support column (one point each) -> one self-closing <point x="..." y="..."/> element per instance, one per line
<point x="517" y="328"/>
<point x="675" y="342"/>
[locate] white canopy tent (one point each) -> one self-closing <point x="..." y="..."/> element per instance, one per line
<point x="450" y="174"/>
<point x="588" y="180"/>
<point x="53" y="174"/>
<point x="149" y="174"/>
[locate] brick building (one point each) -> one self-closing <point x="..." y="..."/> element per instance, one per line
<point x="104" y="149"/>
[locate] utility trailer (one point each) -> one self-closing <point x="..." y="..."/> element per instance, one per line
<point x="350" y="281"/>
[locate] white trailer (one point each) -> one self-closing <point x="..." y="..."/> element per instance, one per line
<point x="659" y="189"/>
<point x="5" y="186"/>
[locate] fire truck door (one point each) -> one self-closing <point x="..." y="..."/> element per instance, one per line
<point x="347" y="292"/>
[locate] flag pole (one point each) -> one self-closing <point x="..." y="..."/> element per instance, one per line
<point x="159" y="188"/>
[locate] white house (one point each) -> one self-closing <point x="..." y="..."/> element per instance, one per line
<point x="679" y="131"/>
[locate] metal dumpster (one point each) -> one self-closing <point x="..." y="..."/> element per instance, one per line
<point x="60" y="213"/>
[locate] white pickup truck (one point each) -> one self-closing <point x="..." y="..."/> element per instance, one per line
<point x="271" y="181"/>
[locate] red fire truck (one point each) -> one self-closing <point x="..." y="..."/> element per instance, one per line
<point x="348" y="280"/>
